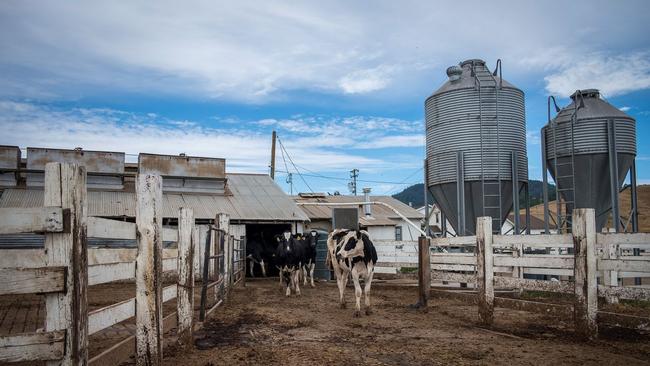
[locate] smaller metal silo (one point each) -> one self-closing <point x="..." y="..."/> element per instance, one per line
<point x="588" y="148"/>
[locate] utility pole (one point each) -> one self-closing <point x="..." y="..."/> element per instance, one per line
<point x="272" y="166"/>
<point x="352" y="186"/>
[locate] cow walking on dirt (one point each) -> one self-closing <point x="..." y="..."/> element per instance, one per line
<point x="352" y="252"/>
<point x="309" y="243"/>
<point x="289" y="257"/>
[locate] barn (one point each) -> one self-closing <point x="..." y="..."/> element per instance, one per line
<point x="256" y="205"/>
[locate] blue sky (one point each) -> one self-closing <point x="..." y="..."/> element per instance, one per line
<point x="343" y="83"/>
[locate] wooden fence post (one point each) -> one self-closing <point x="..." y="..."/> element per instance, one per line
<point x="223" y="224"/>
<point x="65" y="186"/>
<point x="424" y="271"/>
<point x="484" y="269"/>
<point x="242" y="258"/>
<point x="611" y="277"/>
<point x="148" y="276"/>
<point x="586" y="295"/>
<point x="185" y="287"/>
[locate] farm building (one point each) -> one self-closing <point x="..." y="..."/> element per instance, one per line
<point x="382" y="223"/>
<point x="255" y="204"/>
<point x="435" y="220"/>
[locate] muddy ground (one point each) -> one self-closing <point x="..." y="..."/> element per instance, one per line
<point x="260" y="326"/>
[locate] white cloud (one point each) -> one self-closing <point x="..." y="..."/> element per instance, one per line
<point x="364" y="81"/>
<point x="245" y="149"/>
<point x="625" y="109"/>
<point x="612" y="75"/>
<point x="532" y="137"/>
<point x="260" y="51"/>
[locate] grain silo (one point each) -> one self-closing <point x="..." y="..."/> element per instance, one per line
<point x="476" y="146"/>
<point x="588" y="148"/>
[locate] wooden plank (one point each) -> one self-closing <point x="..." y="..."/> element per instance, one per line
<point x="534" y="260"/>
<point x="534" y="241"/>
<point x="170" y="264"/>
<point x="453" y="277"/>
<point x="586" y="292"/>
<point x="110" y="315"/>
<point x="149" y="270"/>
<point x="169" y="234"/>
<point x="65" y="186"/>
<point x="110" y="229"/>
<point x="484" y="270"/>
<point x="103" y="273"/>
<point x="118" y="255"/>
<point x="534" y="285"/>
<point x="452" y="267"/>
<point x="23" y="258"/>
<point x="185" y="288"/>
<point x="41" y="346"/>
<point x="16" y="220"/>
<point x="169" y="293"/>
<point x="549" y="271"/>
<point x="631" y="239"/>
<point x="454" y="241"/>
<point x="465" y="258"/>
<point x="624" y="320"/>
<point x="631" y="293"/>
<point x="627" y="265"/>
<point x="32" y="280"/>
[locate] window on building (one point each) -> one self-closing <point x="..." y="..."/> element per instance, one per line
<point x="398" y="233"/>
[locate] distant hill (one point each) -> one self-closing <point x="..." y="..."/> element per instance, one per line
<point x="415" y="194"/>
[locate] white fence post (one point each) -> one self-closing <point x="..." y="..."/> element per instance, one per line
<point x="223" y="223"/>
<point x="611" y="277"/>
<point x="484" y="269"/>
<point x="586" y="300"/>
<point x="185" y="288"/>
<point x="149" y="327"/>
<point x="65" y="186"/>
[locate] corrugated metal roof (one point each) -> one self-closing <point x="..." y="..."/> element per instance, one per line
<point x="254" y="197"/>
<point x="381" y="216"/>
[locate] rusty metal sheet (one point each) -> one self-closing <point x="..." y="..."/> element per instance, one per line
<point x="182" y="166"/>
<point x="9" y="159"/>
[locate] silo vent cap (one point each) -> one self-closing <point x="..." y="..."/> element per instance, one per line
<point x="454" y="73"/>
<point x="586" y="93"/>
<point x="473" y="61"/>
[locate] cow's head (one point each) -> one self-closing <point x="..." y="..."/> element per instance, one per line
<point x="351" y="246"/>
<point x="313" y="238"/>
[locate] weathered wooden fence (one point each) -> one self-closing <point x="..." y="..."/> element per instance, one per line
<point x="500" y="261"/>
<point x="65" y="268"/>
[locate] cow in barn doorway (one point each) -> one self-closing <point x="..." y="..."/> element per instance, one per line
<point x="289" y="256"/>
<point x="352" y="252"/>
<point x="309" y="242"/>
<point x="255" y="249"/>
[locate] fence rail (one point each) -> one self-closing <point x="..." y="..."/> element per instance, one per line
<point x="64" y="269"/>
<point x="499" y="261"/>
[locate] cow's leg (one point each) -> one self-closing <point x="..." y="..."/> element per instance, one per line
<point x="341" y="281"/>
<point x="303" y="269"/>
<point x="357" y="293"/>
<point x="263" y="267"/>
<point x="366" y="291"/>
<point x="287" y="280"/>
<point x="281" y="275"/>
<point x="252" y="266"/>
<point x="297" y="281"/>
<point x="311" y="273"/>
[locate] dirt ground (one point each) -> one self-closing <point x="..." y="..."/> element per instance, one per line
<point x="260" y="326"/>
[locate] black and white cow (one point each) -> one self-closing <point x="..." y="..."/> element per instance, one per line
<point x="288" y="258"/>
<point x="352" y="252"/>
<point x="255" y="253"/>
<point x="310" y="241"/>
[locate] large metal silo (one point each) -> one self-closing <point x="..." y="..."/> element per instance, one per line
<point x="476" y="146"/>
<point x="588" y="148"/>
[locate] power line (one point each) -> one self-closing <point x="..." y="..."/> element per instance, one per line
<point x="294" y="165"/>
<point x="347" y="179"/>
<point x="404" y="180"/>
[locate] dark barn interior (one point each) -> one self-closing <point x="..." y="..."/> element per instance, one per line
<point x="265" y="233"/>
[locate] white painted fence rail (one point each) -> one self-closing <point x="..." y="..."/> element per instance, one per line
<point x="63" y="271"/>
<point x="506" y="262"/>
